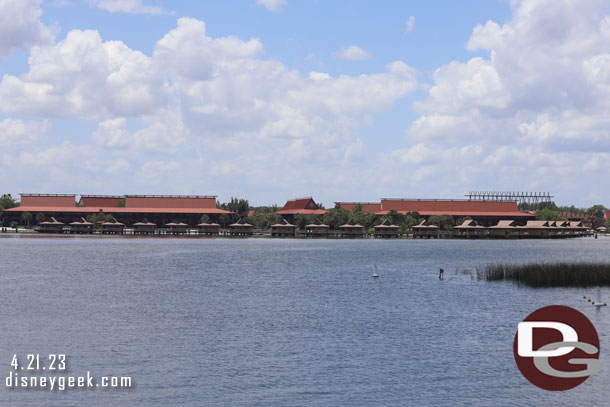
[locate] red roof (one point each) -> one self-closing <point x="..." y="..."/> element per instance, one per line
<point x="302" y="212"/>
<point x="366" y="206"/>
<point x="462" y="213"/>
<point x="48" y="200"/>
<point x="305" y="206"/>
<point x="100" y="201"/>
<point x="447" y="205"/>
<point x="84" y="209"/>
<point x="607" y="214"/>
<point x="165" y="201"/>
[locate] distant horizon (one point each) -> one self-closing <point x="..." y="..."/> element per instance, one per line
<point x="341" y="100"/>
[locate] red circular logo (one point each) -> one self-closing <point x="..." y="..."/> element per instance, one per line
<point x="556" y="348"/>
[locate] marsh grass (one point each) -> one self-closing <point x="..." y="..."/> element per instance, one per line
<point x="564" y="274"/>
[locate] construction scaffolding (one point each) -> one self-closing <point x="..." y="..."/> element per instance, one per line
<point x="519" y="197"/>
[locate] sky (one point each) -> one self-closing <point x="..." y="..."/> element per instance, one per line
<point x="340" y="100"/>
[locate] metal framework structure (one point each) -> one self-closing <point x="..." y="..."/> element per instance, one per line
<point x="519" y="197"/>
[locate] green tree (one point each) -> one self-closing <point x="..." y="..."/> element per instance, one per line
<point x="444" y="222"/>
<point x="597" y="211"/>
<point x="40" y="217"/>
<point x="412" y="219"/>
<point x="204" y="218"/>
<point x="548" y="214"/>
<point x="303" y="220"/>
<point x="7" y="202"/>
<point x="237" y="205"/>
<point x="225" y="219"/>
<point x="336" y="217"/>
<point x="14" y="225"/>
<point x="121" y="203"/>
<point x="26" y="217"/>
<point x="99" y="217"/>
<point x="264" y="220"/>
<point x="396" y="218"/>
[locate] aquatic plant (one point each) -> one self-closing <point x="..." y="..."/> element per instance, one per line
<point x="562" y="274"/>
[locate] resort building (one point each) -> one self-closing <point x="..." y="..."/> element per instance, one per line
<point x="351" y="230"/>
<point x="144" y="228"/>
<point x="387" y="230"/>
<point x="52" y="226"/>
<point x="112" y="227"/>
<point x="283" y="229"/>
<point x="157" y="209"/>
<point x="425" y="231"/>
<point x="240" y="228"/>
<point x="208" y="229"/>
<point x="485" y="213"/>
<point x="470" y="230"/>
<point x="303" y="206"/>
<point x="505" y="229"/>
<point x="174" y="228"/>
<point x="82" y="226"/>
<point x="373" y="207"/>
<point x="317" y="229"/>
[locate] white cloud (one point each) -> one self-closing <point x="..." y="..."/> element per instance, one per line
<point x="20" y="25"/>
<point x="128" y="6"/>
<point x="272" y="5"/>
<point x="202" y="113"/>
<point x="353" y="53"/>
<point x="18" y="133"/>
<point x="410" y="24"/>
<point x="83" y="77"/>
<point x="535" y="109"/>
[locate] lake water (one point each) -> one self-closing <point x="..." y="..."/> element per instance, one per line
<point x="272" y="322"/>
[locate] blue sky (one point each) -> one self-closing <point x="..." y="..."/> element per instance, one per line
<point x="274" y="99"/>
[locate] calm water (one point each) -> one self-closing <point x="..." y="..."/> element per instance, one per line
<point x="282" y="322"/>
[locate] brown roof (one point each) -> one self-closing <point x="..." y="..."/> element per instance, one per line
<point x="468" y="224"/>
<point x="466" y="213"/>
<point x="424" y="225"/>
<point x="83" y="222"/>
<point x="240" y="223"/>
<point x="114" y="223"/>
<point x="347" y="226"/>
<point x="208" y="224"/>
<point x="305" y="206"/>
<point x="572" y="215"/>
<point x="505" y="224"/>
<point x="454" y="207"/>
<point x="61" y="200"/>
<point x="170" y="201"/>
<point x="366" y="206"/>
<point x="283" y="224"/>
<point x="100" y="200"/>
<point x="84" y="209"/>
<point x="537" y="224"/>
<point x="386" y="225"/>
<point x="144" y="224"/>
<point x="53" y="221"/>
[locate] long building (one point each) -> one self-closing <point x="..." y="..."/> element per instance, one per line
<point x="159" y="209"/>
<point x="484" y="212"/>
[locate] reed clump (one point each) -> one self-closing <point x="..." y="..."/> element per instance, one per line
<point x="563" y="274"/>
